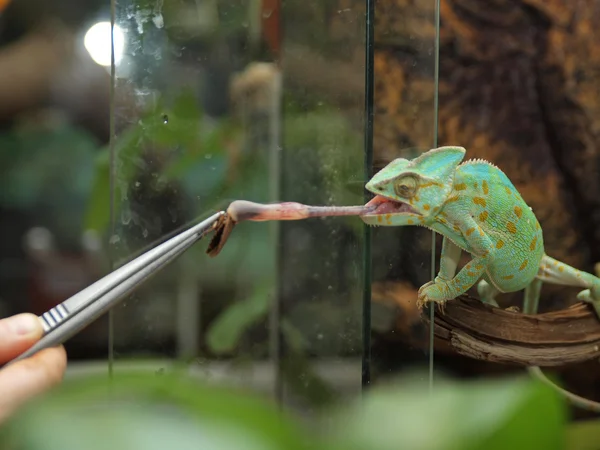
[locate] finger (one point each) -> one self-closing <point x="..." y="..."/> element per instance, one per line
<point x="25" y="379"/>
<point x="17" y="334"/>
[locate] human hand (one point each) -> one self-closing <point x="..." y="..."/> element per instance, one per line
<point x="29" y="377"/>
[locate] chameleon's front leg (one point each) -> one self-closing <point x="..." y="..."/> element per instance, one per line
<point x="448" y="260"/>
<point x="443" y="288"/>
<point x="448" y="263"/>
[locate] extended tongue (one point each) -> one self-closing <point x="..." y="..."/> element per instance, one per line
<point x="244" y="210"/>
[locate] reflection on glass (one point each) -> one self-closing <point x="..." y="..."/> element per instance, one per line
<point x="260" y="100"/>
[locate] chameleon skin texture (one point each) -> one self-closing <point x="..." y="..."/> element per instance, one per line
<point x="478" y="210"/>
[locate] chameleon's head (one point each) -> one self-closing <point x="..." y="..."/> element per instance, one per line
<point x="409" y="191"/>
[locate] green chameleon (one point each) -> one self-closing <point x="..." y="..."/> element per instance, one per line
<point x="476" y="208"/>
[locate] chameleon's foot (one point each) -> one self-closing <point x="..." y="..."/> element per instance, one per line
<point x="592" y="296"/>
<point x="441" y="305"/>
<point x="586" y="296"/>
<point x="431" y="292"/>
<point x="515" y="309"/>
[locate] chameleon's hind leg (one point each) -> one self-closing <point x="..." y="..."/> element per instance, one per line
<point x="556" y="272"/>
<point x="487" y="292"/>
<point x="532" y="296"/>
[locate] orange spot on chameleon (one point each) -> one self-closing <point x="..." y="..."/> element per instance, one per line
<point x="518" y="211"/>
<point x="508" y="277"/>
<point x="460" y="186"/>
<point x="426" y="207"/>
<point x="486" y="189"/>
<point x="533" y="244"/>
<point x="479" y="201"/>
<point x="429" y="184"/>
<point x="500" y="244"/>
<point x="483" y="216"/>
<point x="523" y="265"/>
<point x="469" y="231"/>
<point x="511" y="227"/>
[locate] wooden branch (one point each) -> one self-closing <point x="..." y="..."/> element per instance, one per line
<point x="479" y="331"/>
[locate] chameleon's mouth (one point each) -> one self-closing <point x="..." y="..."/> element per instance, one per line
<point x="384" y="205"/>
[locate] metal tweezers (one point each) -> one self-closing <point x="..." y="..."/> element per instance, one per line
<point x="71" y="316"/>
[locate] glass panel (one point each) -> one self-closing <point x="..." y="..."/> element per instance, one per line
<point x="221" y="100"/>
<point x="322" y="271"/>
<point x="195" y="111"/>
<point x="404" y="126"/>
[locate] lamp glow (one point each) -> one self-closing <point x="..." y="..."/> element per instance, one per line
<point x="97" y="43"/>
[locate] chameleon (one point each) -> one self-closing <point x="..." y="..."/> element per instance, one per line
<point x="477" y="209"/>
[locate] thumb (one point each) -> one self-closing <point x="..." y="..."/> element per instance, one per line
<point x="17" y="334"/>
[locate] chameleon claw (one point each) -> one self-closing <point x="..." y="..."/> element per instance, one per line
<point x="423" y="299"/>
<point x="442" y="307"/>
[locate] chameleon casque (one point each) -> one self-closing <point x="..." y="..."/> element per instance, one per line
<point x="476" y="209"/>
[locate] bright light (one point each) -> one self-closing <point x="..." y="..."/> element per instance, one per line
<point x="97" y="43"/>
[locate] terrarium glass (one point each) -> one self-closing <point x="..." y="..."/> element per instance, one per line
<point x="267" y="101"/>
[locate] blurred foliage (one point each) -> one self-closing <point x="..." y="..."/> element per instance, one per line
<point x="190" y="150"/>
<point x="584" y="435"/>
<point x="227" y="330"/>
<point x="144" y="411"/>
<point x="48" y="171"/>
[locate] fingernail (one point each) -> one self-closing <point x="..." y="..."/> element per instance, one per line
<point x="24" y="324"/>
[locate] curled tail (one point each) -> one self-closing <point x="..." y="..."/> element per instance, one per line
<point x="555" y="272"/>
<point x="575" y="399"/>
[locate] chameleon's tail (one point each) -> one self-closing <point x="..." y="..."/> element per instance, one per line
<point x="530" y="306"/>
<point x="573" y="398"/>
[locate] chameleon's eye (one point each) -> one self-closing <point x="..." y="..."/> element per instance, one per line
<point x="406" y="187"/>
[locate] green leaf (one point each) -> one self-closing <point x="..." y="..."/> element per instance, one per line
<point x="148" y="411"/>
<point x="97" y="216"/>
<point x="490" y="414"/>
<point x="226" y="331"/>
<point x="583" y="435"/>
